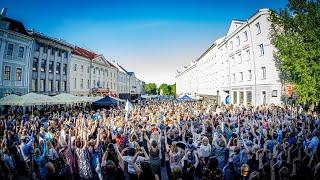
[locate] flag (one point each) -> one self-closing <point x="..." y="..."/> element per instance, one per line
<point x="129" y="106"/>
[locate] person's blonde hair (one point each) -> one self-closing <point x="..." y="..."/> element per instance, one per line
<point x="205" y="139"/>
<point x="174" y="147"/>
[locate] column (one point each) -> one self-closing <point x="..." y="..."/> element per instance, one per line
<point x="54" y="69"/>
<point x="47" y="70"/>
<point x="2" y="51"/>
<point x="61" y="75"/>
<point x="39" y="68"/>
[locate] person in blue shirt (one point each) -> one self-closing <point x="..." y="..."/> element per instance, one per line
<point x="40" y="160"/>
<point x="314" y="141"/>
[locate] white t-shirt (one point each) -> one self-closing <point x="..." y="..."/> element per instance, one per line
<point x="128" y="159"/>
<point x="205" y="150"/>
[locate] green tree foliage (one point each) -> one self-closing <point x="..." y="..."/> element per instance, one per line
<point x="296" y="35"/>
<point x="164" y="89"/>
<point x="150" y="88"/>
<point x="167" y="89"/>
<point x="173" y="89"/>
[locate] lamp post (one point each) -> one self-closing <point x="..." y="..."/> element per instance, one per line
<point x="217" y="96"/>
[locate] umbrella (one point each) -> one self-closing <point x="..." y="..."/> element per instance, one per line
<point x="65" y="98"/>
<point x="7" y="100"/>
<point x="31" y="99"/>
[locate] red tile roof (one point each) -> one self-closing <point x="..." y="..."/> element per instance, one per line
<point x="84" y="53"/>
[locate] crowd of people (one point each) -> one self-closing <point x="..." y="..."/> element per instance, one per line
<point x="161" y="140"/>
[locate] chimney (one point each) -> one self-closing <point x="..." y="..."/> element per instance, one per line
<point x="4" y="11"/>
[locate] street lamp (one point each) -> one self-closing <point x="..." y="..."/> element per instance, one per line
<point x="217" y="96"/>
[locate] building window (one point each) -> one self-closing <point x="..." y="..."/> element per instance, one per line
<point x="94" y="83"/>
<point x="10" y="49"/>
<point x="258" y="28"/>
<point x="261" y="49"/>
<point x="21" y="52"/>
<point x="45" y="49"/>
<point x="245" y="35"/>
<point x="264" y="97"/>
<point x="34" y="85"/>
<point x="264" y="72"/>
<point x="231" y="45"/>
<point x="81" y="84"/>
<point x="65" y="86"/>
<point x="50" y="85"/>
<point x="43" y="65"/>
<point x="104" y="83"/>
<point x="57" y="85"/>
<point x="58" y="66"/>
<point x="88" y="84"/>
<point x="88" y="69"/>
<point x="82" y="68"/>
<point x="53" y="50"/>
<point x="18" y="74"/>
<point x="65" y="69"/>
<point x="249" y="97"/>
<point x="241" y="97"/>
<point x="248" y="55"/>
<point x="75" y="83"/>
<point x="7" y="71"/>
<point x="59" y="52"/>
<point x="241" y="76"/>
<point x="235" y="98"/>
<point x="94" y="70"/>
<point x="249" y="75"/>
<point x="75" y="67"/>
<point x="42" y="85"/>
<point x="238" y="40"/>
<point x="50" y="66"/>
<point x="233" y="77"/>
<point x="66" y="54"/>
<point x="36" y="46"/>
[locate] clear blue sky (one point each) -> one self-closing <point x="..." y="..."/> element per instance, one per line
<point x="153" y="38"/>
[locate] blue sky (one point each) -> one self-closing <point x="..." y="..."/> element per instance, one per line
<point x="152" y="38"/>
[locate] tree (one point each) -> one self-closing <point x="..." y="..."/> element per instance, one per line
<point x="164" y="89"/>
<point x="150" y="88"/>
<point x="296" y="35"/>
<point x="173" y="89"/>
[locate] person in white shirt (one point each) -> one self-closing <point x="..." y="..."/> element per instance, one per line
<point x="205" y="148"/>
<point x="133" y="157"/>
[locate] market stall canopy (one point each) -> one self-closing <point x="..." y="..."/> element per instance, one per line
<point x="32" y="99"/>
<point x="65" y="98"/>
<point x="7" y="100"/>
<point x="106" y="102"/>
<point x="91" y="99"/>
<point x="185" y="98"/>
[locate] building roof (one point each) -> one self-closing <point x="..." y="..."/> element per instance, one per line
<point x="84" y="53"/>
<point x="130" y="73"/>
<point x="15" y="25"/>
<point x="34" y="33"/>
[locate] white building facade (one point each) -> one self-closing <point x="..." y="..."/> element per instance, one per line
<point x="80" y="82"/>
<point x="238" y="68"/>
<point x="15" y="52"/>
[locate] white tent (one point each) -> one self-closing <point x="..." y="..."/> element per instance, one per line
<point x="65" y="98"/>
<point x="32" y="99"/>
<point x="7" y="100"/>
